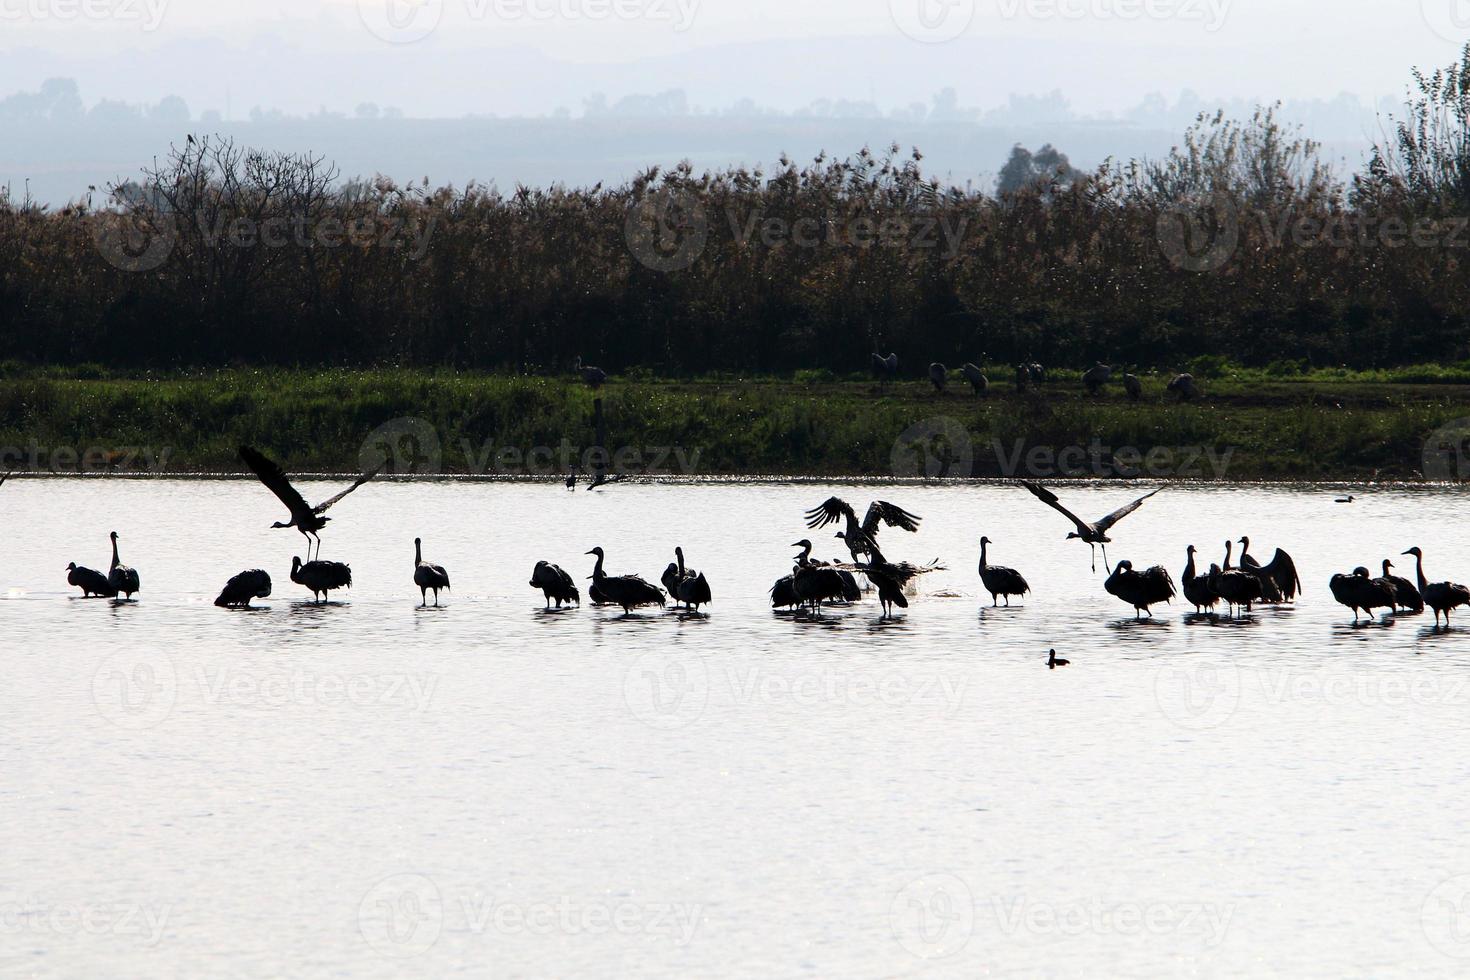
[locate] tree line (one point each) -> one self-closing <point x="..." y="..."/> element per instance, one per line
<point x="1241" y="243"/>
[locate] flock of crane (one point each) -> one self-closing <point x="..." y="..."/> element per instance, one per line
<point x="813" y="584"/>
<point x="1029" y="375"/>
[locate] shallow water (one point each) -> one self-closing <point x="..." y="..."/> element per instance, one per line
<point x="371" y="788"/>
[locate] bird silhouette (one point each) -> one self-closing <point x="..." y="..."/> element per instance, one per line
<point x="1094" y="533"/>
<point x="593" y="377"/>
<point x="1000" y="581"/>
<point x="89" y="580"/>
<point x="121" y="578"/>
<point x="861" y="539"/>
<point x="979" y="383"/>
<point x="321" y="577"/>
<point x="427" y="576"/>
<point x="1442" y="597"/>
<point x="1281" y="571"/>
<point x="1141" y="590"/>
<point x="305" y="518"/>
<point x="1406" y="595"/>
<point x="1053" y="661"/>
<point x="554" y="584"/>
<point x="628" y="591"/>
<point x="1359" y="591"/>
<point x="241" y="588"/>
<point x="1197" y="588"/>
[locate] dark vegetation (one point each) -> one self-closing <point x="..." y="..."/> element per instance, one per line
<point x="1238" y="245"/>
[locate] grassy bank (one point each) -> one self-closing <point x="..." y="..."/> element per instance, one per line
<point x="1242" y="428"/>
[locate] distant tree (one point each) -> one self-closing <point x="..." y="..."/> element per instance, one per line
<point x="367" y="110"/>
<point x="171" y="109"/>
<point x="1024" y="169"/>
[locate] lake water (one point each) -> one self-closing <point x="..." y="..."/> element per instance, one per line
<point x="370" y="788"/>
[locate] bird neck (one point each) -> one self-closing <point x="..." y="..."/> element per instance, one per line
<point x="418" y="553"/>
<point x="1228" y="546"/>
<point x="1419" y="568"/>
<point x="597" y="569"/>
<point x="680" y="555"/>
<point x="1189" y="566"/>
<point x="115" y="561"/>
<point x="982" y="554"/>
<point x="806" y="554"/>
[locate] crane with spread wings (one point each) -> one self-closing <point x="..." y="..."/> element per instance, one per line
<point x="305" y="518"/>
<point x="1093" y="532"/>
<point x="861" y="539"/>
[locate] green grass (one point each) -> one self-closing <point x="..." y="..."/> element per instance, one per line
<point x="1323" y="425"/>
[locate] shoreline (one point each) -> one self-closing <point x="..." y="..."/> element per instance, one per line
<point x="491" y="428"/>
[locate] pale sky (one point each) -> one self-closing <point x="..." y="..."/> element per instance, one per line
<point x="1220" y="48"/>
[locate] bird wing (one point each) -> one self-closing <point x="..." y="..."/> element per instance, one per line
<point x="274" y="478"/>
<point x="833" y="510"/>
<point x="321" y="508"/>
<point x="1047" y="497"/>
<point x="1282" y="571"/>
<point x="890" y="514"/>
<point x="1122" y="512"/>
